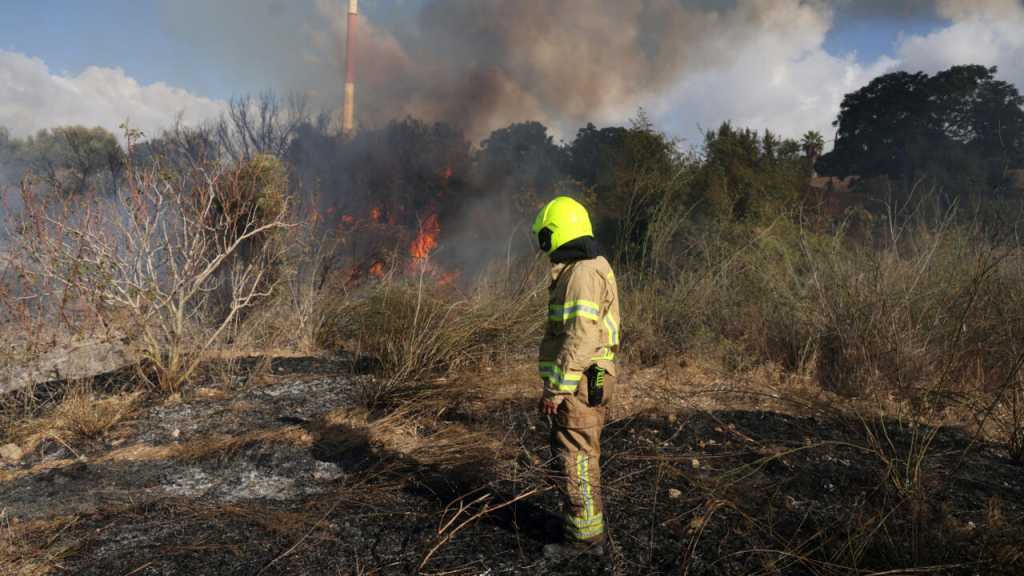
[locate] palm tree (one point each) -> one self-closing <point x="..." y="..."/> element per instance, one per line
<point x="813" y="144"/>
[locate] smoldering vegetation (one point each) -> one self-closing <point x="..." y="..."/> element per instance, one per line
<point x="822" y="371"/>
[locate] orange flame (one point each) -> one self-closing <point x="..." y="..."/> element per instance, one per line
<point x="426" y="239"/>
<point x="377" y="269"/>
<point x="449" y="278"/>
<point x="375" y="215"/>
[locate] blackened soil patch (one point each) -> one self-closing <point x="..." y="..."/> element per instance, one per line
<point x="694" y="493"/>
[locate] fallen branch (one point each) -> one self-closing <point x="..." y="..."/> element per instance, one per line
<point x="446" y="532"/>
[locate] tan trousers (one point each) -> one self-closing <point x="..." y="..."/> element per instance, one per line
<point x="576" y="447"/>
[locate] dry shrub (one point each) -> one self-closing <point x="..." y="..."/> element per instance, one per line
<point x="928" y="313"/>
<point x="14" y="408"/>
<point x="173" y="259"/>
<point x="289" y="319"/>
<point x="417" y="329"/>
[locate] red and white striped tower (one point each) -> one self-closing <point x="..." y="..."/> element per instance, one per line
<point x="348" y="113"/>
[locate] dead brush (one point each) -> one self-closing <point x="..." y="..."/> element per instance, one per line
<point x="223" y="448"/>
<point x="418" y="330"/>
<point x="290" y="317"/>
<point x="37" y="547"/>
<point x="181" y="255"/>
<point x="402" y="434"/>
<point x="82" y="416"/>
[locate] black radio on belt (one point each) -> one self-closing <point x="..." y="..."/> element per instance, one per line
<point x="595" y="385"/>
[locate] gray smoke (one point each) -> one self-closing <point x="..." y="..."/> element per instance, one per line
<point x="477" y="63"/>
<point x="482" y="64"/>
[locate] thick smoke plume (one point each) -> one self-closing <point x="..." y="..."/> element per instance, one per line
<point x="483" y="64"/>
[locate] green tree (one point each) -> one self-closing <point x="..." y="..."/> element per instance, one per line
<point x="521" y="162"/>
<point x="812" y="144"/>
<point x="634" y="174"/>
<point x="962" y="127"/>
<point x="748" y="177"/>
<point x="70" y="158"/>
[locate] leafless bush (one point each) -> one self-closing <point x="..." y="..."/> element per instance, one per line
<point x="260" y="125"/>
<point x="171" y="260"/>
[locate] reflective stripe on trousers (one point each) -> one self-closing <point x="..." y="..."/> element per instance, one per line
<point x="578" y="454"/>
<point x="590" y="523"/>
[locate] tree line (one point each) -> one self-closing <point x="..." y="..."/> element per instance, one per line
<point x="961" y="130"/>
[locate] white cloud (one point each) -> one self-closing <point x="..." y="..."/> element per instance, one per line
<point x="780" y="77"/>
<point x="988" y="32"/>
<point x="32" y="98"/>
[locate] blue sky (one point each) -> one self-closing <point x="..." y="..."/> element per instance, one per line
<point x="70" y="35"/>
<point x="871" y="37"/>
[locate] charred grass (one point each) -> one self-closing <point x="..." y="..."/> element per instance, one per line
<point x="738" y="493"/>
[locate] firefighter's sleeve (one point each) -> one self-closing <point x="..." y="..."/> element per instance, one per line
<point x="580" y="316"/>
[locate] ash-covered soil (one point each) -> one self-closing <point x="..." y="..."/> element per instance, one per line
<point x="288" y="477"/>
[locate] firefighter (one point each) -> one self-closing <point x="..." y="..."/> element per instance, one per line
<point x="577" y="366"/>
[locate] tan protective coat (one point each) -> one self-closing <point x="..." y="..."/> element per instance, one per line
<point x="583" y="325"/>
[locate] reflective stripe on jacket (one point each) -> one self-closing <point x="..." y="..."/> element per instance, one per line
<point x="583" y="324"/>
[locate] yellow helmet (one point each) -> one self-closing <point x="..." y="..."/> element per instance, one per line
<point x="561" y="220"/>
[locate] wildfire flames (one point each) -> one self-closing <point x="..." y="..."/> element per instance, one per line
<point x="449" y="278"/>
<point x="387" y="222"/>
<point x="377" y="270"/>
<point x="426" y="239"/>
<point x="421" y="247"/>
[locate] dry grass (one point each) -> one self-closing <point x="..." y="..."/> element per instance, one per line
<point x="929" y="315"/>
<point x="224" y="447"/>
<point x="35" y="548"/>
<point x="82" y="416"/>
<point x="415" y="330"/>
<point x="216" y="447"/>
<point x="402" y="433"/>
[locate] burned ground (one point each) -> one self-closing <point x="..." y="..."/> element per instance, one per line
<point x="283" y="473"/>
